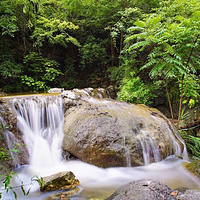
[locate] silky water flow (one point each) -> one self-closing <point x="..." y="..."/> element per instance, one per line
<point x="41" y="122"/>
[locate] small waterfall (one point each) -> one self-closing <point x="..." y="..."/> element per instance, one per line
<point x="184" y="153"/>
<point x="173" y="134"/>
<point x="41" y="122"/>
<point x="154" y="133"/>
<point x="127" y="154"/>
<point x="11" y="140"/>
<point x="149" y="148"/>
<point x="40" y="119"/>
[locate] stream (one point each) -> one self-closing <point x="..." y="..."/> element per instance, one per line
<point x="41" y="123"/>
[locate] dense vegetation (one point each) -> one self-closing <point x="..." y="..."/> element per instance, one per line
<point x="149" y="49"/>
<point x="62" y="43"/>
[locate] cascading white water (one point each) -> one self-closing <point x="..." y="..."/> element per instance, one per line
<point x="148" y="146"/>
<point x="127" y="154"/>
<point x="11" y="140"/>
<point x="184" y="153"/>
<point x="41" y="122"/>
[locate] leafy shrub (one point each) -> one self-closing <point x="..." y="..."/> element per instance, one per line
<point x="41" y="73"/>
<point x="133" y="90"/>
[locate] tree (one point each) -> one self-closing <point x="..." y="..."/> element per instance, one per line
<point x="169" y="37"/>
<point x="38" y="26"/>
<point x="41" y="73"/>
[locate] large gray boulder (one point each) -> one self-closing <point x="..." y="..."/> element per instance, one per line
<point x="147" y="189"/>
<point x="186" y="194"/>
<point x="110" y="133"/>
<point x="144" y="190"/>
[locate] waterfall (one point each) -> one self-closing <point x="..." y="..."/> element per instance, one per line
<point x="11" y="140"/>
<point x="41" y="123"/>
<point x="148" y="148"/>
<point x="40" y="120"/>
<point x="127" y="154"/>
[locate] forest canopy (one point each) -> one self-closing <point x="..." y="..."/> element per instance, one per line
<point x="149" y="49"/>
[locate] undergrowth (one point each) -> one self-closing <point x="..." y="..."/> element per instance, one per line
<point x="191" y="140"/>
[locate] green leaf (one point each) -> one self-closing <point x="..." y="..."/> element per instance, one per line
<point x="15" y="194"/>
<point x="139" y="44"/>
<point x="140" y="24"/>
<point x="153" y="21"/>
<point x="22" y="189"/>
<point x="133" y="28"/>
<point x="196" y="15"/>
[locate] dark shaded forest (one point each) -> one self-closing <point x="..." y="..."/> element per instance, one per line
<point x="149" y="50"/>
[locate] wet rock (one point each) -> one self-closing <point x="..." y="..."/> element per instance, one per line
<point x="59" y="181"/>
<point x="63" y="195"/>
<point x="70" y="95"/>
<point x="112" y="91"/>
<point x="56" y="90"/>
<point x="186" y="194"/>
<point x="83" y="92"/>
<point x="144" y="190"/>
<point x="10" y="137"/>
<point x="194" y="166"/>
<point x="96" y="92"/>
<point x="110" y="133"/>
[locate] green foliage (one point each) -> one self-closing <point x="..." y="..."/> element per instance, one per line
<point x="133" y="90"/>
<point x="6" y="186"/>
<point x="92" y="53"/>
<point x="8" y="25"/>
<point x="191" y="90"/>
<point x="192" y="142"/>
<point x="39" y="180"/>
<point x="4" y="154"/>
<point x="127" y="19"/>
<point x="170" y="41"/>
<point x="50" y="24"/>
<point x="54" y="31"/>
<point x="9" y="69"/>
<point x="161" y="44"/>
<point x="167" y="39"/>
<point x="41" y="72"/>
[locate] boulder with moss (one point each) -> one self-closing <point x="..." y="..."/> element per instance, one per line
<point x="60" y="181"/>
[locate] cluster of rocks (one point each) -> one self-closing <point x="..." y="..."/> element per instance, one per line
<point x="144" y="189"/>
<point x="152" y="190"/>
<point x="105" y="133"/>
<point x="109" y="133"/>
<point x="109" y="92"/>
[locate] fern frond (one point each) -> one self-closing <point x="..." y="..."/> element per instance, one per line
<point x="151" y="62"/>
<point x="134" y="28"/>
<point x="140" y="24"/>
<point x="157" y="70"/>
<point x="139" y="36"/>
<point x="138" y="45"/>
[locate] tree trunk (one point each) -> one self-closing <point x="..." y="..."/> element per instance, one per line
<point x="180" y="103"/>
<point x="170" y="105"/>
<point x="120" y="47"/>
<point x="182" y="80"/>
<point x="112" y="53"/>
<point x="24" y="40"/>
